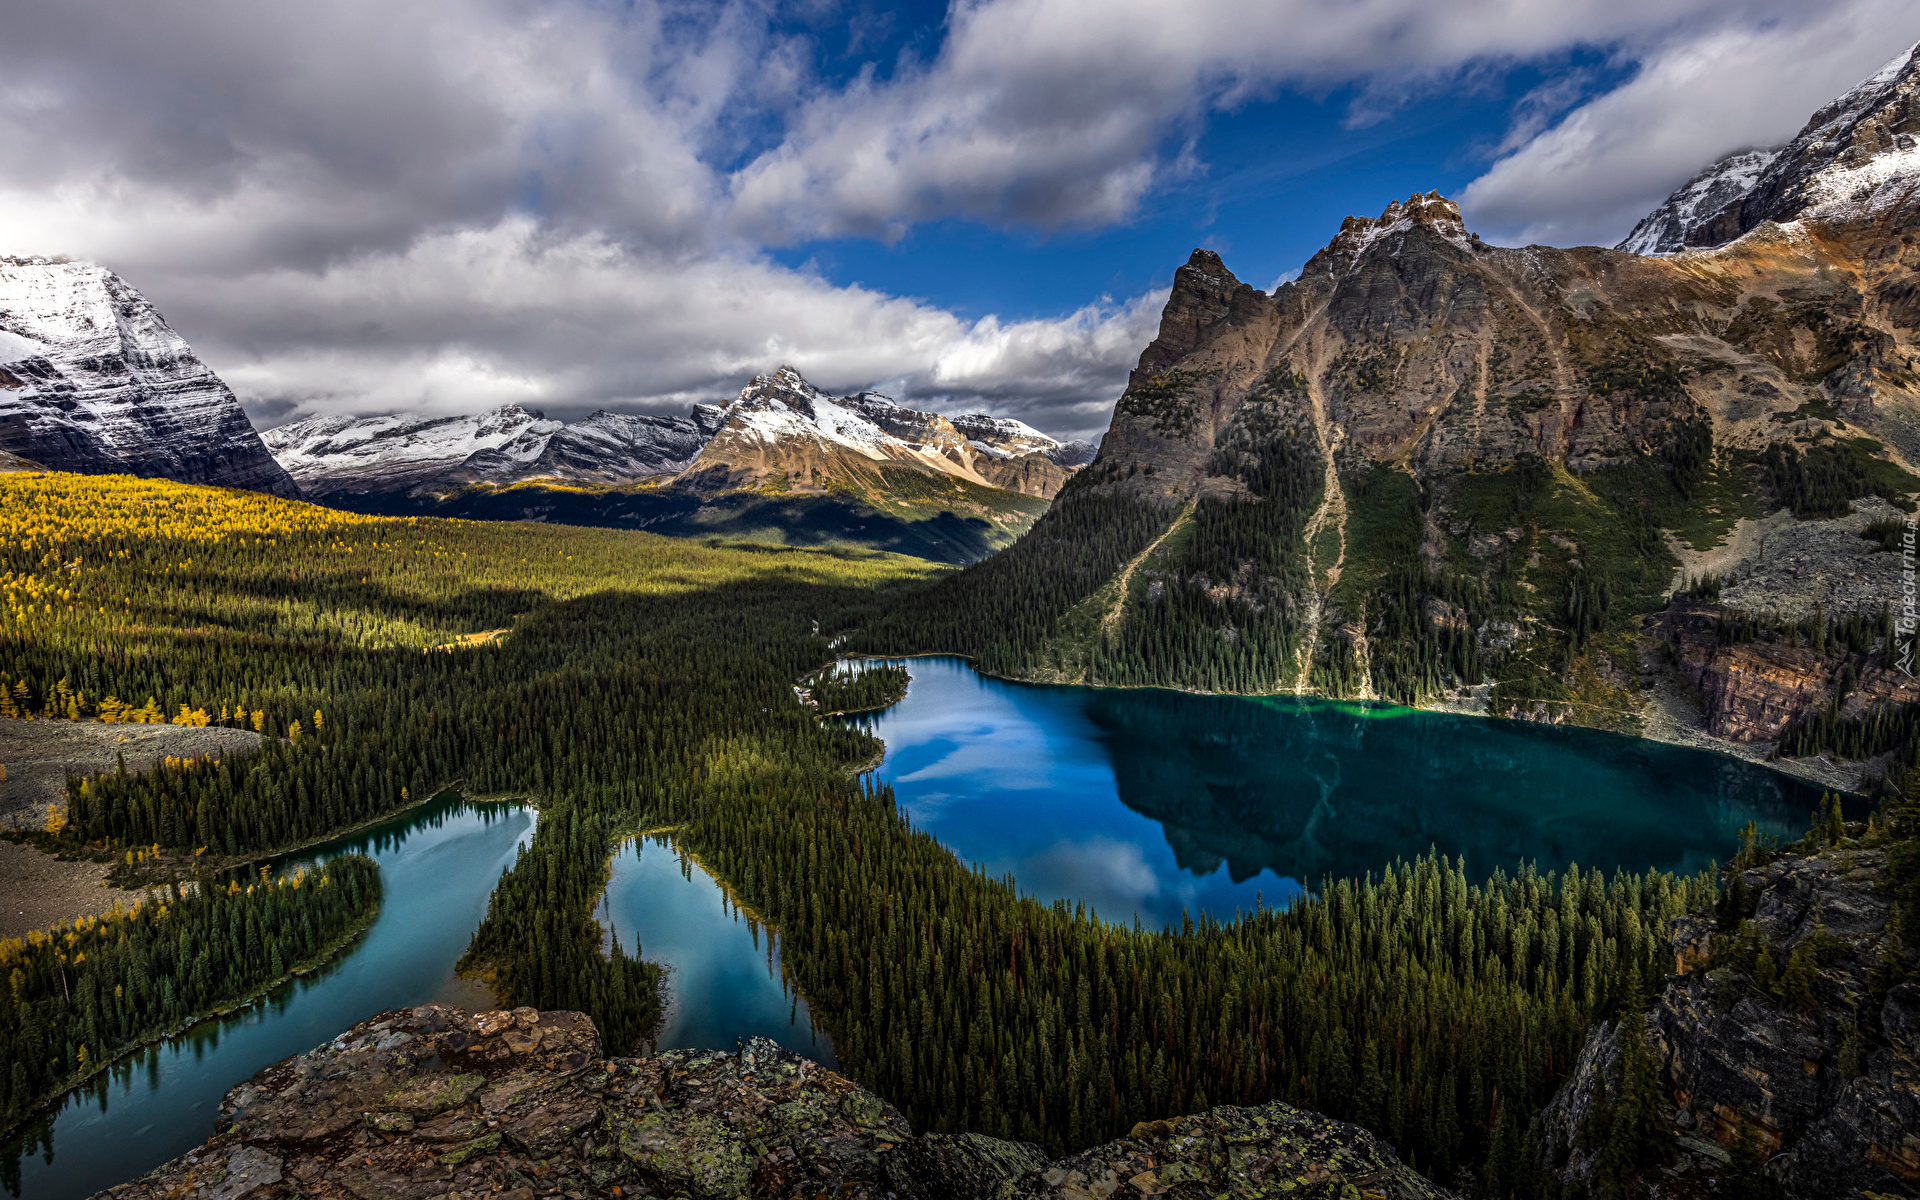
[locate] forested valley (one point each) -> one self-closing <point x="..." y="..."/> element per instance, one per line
<point x="634" y="682"/>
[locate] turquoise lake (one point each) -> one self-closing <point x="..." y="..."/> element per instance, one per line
<point x="1151" y="803"/>
<point x="1141" y="804"/>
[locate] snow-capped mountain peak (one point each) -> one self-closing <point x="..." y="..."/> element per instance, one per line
<point x="777" y="418"/>
<point x="346" y="456"/>
<point x="93" y="379"/>
<point x="1664" y="230"/>
<point x="782" y="428"/>
<point x="1856" y="159"/>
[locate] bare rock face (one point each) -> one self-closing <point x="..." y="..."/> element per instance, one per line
<point x="93" y="379"/>
<point x="1755" y="691"/>
<point x="1825" y="1084"/>
<point x="435" y="1102"/>
<point x="1408" y="341"/>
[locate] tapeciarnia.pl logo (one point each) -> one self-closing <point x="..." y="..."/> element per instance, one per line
<point x="1909" y="604"/>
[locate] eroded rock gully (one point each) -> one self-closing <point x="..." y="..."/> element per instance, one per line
<point x="433" y="1102"/>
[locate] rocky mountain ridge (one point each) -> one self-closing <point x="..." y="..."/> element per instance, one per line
<point x="341" y="457"/>
<point x="93" y="379"/>
<point x="781" y="430"/>
<point x="433" y="1102"/>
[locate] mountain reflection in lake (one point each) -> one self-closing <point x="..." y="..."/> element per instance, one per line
<point x="1156" y="803"/>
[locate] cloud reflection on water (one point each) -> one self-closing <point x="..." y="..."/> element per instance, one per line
<point x="1159" y="803"/>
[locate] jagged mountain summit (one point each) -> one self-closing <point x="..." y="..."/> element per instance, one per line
<point x="781" y="429"/>
<point x="93" y="379"/>
<point x="1857" y="156"/>
<point x="340" y="458"/>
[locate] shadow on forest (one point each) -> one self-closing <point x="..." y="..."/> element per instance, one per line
<point x="806" y="521"/>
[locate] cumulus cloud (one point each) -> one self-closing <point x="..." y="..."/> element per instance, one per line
<point x="441" y="205"/>
<point x="1589" y="177"/>
<point x="1068" y="112"/>
<point x="473" y="318"/>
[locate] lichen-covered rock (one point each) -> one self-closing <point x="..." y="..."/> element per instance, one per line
<point x="1274" y="1150"/>
<point x="453" y="1110"/>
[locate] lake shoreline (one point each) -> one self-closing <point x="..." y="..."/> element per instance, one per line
<point x="1668" y="718"/>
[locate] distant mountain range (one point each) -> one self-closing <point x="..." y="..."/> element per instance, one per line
<point x="781" y="432"/>
<point x="783" y="461"/>
<point x="92" y="379"/>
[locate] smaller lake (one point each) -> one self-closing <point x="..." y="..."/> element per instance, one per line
<point x="1152" y="803"/>
<point x="438" y="864"/>
<point x="724" y="981"/>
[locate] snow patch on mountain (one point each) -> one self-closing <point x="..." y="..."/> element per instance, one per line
<point x="1855" y="158"/>
<point x="1664" y="230"/>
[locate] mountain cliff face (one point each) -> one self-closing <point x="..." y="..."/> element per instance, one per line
<point x="1436" y="470"/>
<point x="1787" y="1034"/>
<point x="93" y="379"/>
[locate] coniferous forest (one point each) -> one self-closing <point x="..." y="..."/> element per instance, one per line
<point x="622" y="681"/>
<point x="84" y="993"/>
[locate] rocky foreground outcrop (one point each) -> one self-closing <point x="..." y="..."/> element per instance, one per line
<point x="434" y="1102"/>
<point x="1812" y="1060"/>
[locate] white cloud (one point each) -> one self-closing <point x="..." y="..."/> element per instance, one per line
<point x="1060" y="112"/>
<point x="1588" y="178"/>
<point x="473" y="318"/>
<point x="446" y="204"/>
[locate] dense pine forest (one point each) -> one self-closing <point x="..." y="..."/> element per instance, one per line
<point x="82" y="994"/>
<point x="629" y="681"/>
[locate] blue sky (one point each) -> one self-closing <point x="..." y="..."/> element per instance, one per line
<point x="439" y="206"/>
<point x="1273" y="180"/>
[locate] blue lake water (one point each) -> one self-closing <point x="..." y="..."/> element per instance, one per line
<point x="1153" y="803"/>
<point x="1139" y="803"/>
<point x="723" y="969"/>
